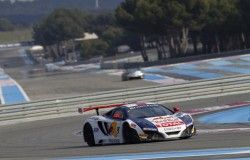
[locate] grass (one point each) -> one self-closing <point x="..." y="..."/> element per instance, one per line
<point x="15" y="36"/>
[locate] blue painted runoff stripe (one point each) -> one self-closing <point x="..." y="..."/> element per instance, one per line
<point x="195" y="73"/>
<point x="168" y="154"/>
<point x="242" y="64"/>
<point x="153" y="70"/>
<point x="153" y="77"/>
<point x="236" y="115"/>
<point x="185" y="66"/>
<point x="12" y="94"/>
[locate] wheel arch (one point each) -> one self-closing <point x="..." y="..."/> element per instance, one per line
<point x="87" y="124"/>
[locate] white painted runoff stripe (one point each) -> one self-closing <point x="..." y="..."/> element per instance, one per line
<point x="210" y="131"/>
<point x="236" y="159"/>
<point x="1" y="96"/>
<point x="166" y="155"/>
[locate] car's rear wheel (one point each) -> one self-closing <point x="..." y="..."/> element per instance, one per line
<point x="130" y="135"/>
<point x="88" y="135"/>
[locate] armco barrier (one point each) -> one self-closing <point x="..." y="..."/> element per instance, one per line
<point x="63" y="107"/>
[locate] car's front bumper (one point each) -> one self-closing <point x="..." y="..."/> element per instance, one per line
<point x="157" y="135"/>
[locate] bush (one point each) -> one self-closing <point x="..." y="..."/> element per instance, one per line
<point x="92" y="48"/>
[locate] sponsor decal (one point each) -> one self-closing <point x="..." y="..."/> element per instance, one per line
<point x="166" y="121"/>
<point x="172" y="129"/>
<point x="113" y="140"/>
<point x="135" y="107"/>
<point x="149" y="129"/>
<point x="142" y="106"/>
<point x="159" y="118"/>
<point x="169" y="124"/>
<point x="113" y="129"/>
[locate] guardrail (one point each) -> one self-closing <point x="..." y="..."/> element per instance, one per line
<point x="160" y="93"/>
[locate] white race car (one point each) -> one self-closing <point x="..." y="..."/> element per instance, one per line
<point x="134" y="123"/>
<point x="133" y="73"/>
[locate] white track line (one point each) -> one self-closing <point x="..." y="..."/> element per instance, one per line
<point x="1" y="95"/>
<point x="213" y="131"/>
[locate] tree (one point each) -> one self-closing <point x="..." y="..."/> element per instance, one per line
<point x="244" y="12"/>
<point x="60" y="26"/>
<point x="105" y="26"/>
<point x="197" y="9"/>
<point x="127" y="18"/>
<point x="93" y="48"/>
<point x="220" y="25"/>
<point x="163" y="22"/>
<point x="100" y="23"/>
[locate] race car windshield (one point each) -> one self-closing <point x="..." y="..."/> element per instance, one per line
<point x="148" y="111"/>
<point x="133" y="69"/>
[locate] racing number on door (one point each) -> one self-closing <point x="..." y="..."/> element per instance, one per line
<point x="109" y="129"/>
<point x="114" y="129"/>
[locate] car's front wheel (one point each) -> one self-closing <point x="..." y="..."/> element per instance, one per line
<point x="130" y="135"/>
<point x="124" y="78"/>
<point x="189" y="132"/>
<point x="88" y="135"/>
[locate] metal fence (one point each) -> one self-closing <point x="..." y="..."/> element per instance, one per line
<point x="193" y="90"/>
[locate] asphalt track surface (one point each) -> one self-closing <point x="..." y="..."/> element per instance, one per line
<point x="40" y="85"/>
<point x="60" y="138"/>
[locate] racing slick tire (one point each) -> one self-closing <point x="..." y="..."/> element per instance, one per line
<point x="130" y="135"/>
<point x="189" y="132"/>
<point x="88" y="135"/>
<point x="124" y="78"/>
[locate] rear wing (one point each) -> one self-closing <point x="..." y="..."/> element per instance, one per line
<point x="90" y="108"/>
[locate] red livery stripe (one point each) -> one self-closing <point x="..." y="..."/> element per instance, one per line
<point x="81" y="110"/>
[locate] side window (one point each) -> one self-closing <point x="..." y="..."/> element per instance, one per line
<point x="118" y="114"/>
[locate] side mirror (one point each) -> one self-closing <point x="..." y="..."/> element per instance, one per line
<point x="176" y="109"/>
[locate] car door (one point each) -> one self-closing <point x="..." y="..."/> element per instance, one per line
<point x="114" y="125"/>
